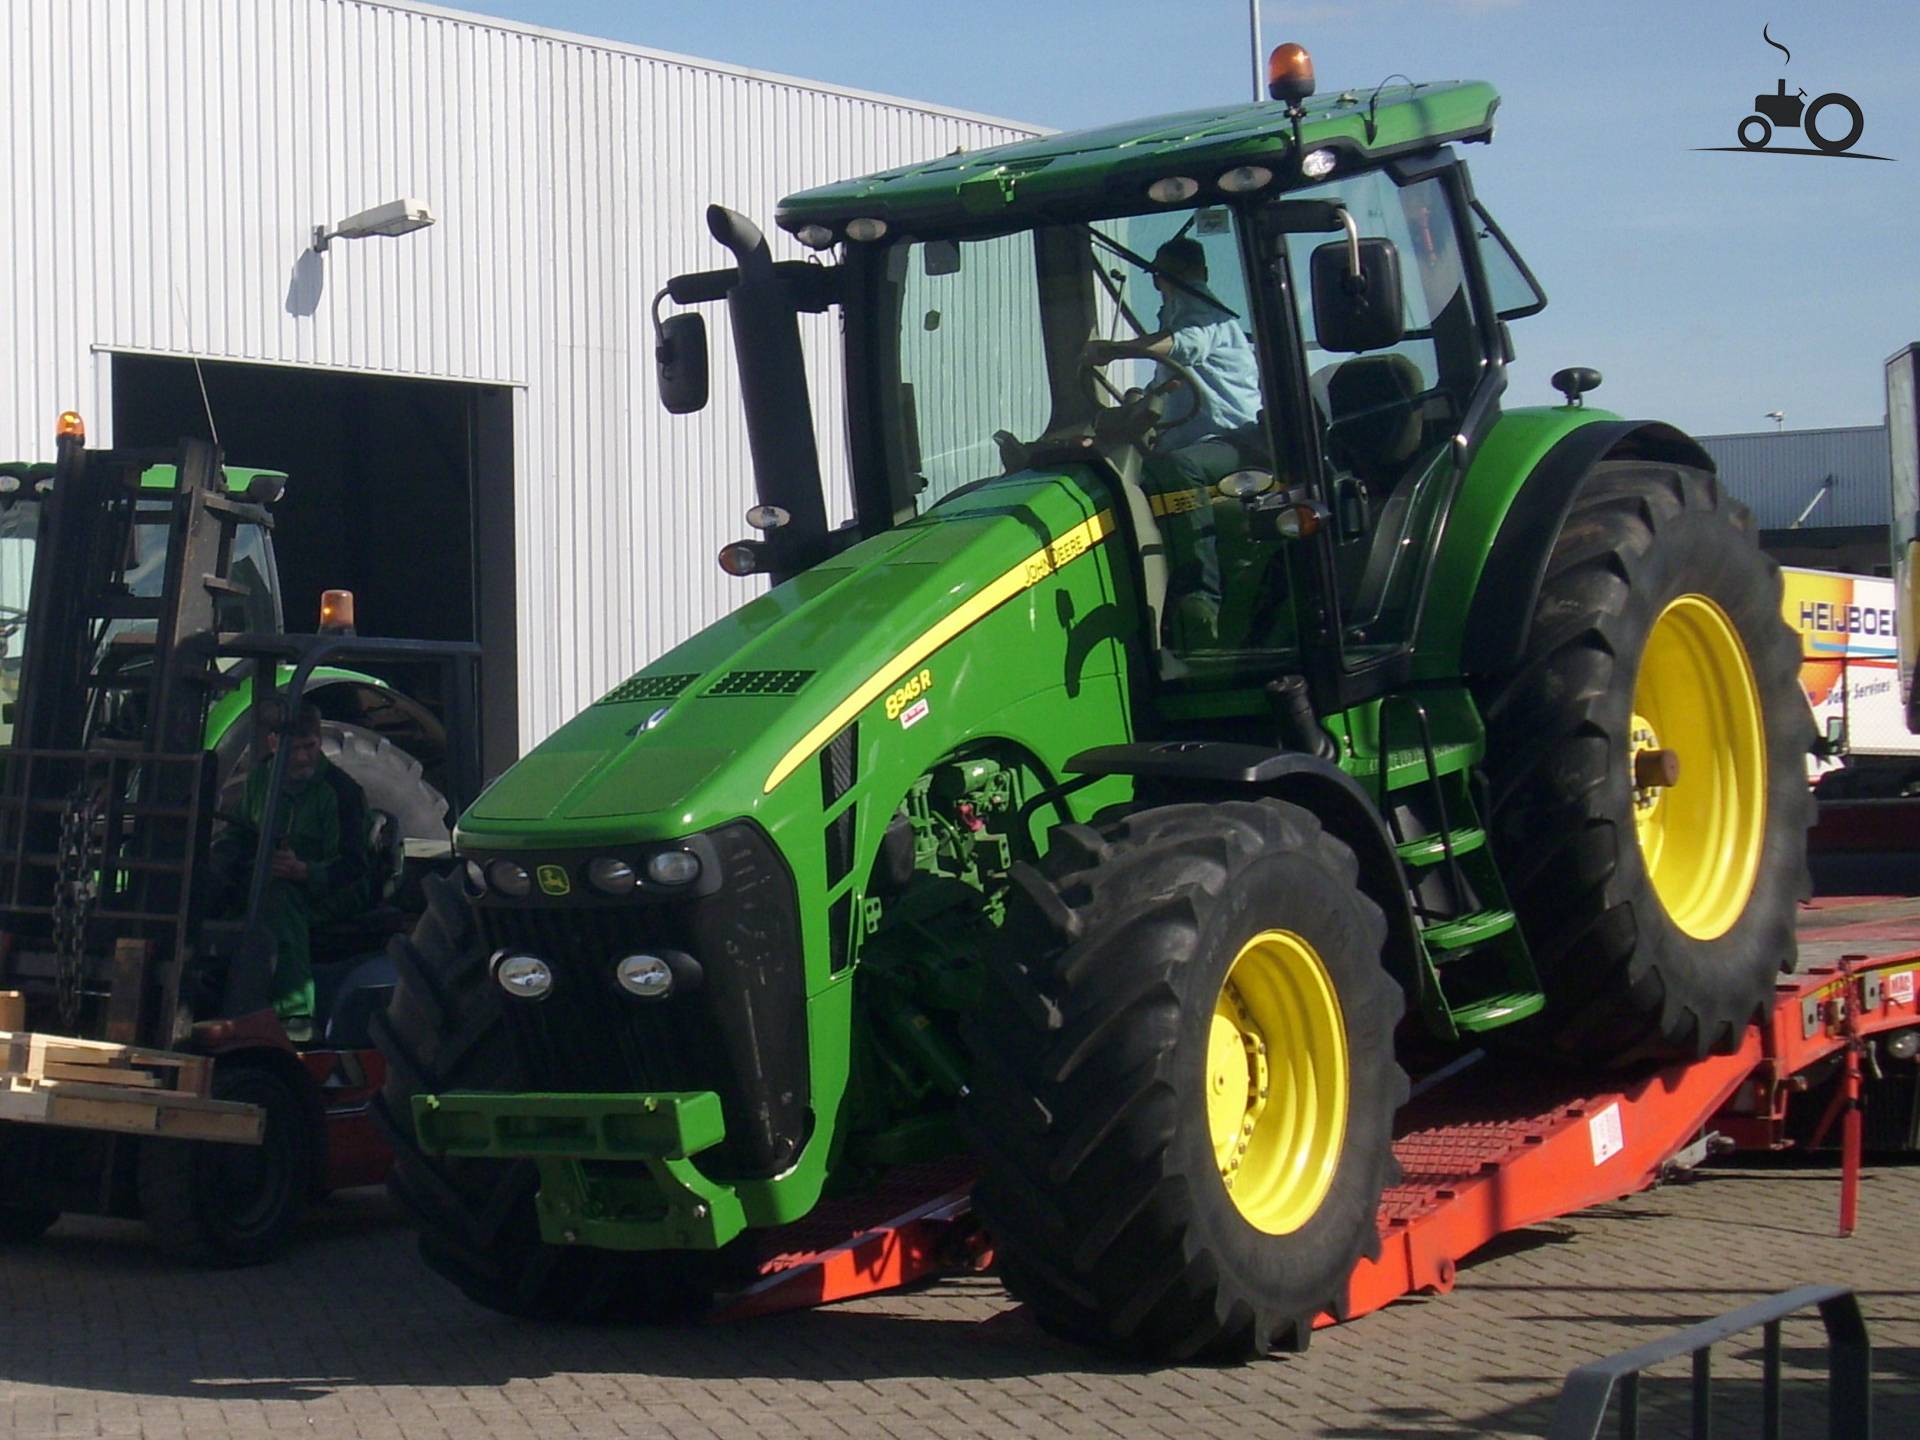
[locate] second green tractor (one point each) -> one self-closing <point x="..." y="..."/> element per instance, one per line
<point x="1124" y="810"/>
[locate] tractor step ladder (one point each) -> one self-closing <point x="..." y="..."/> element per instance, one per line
<point x="1476" y="973"/>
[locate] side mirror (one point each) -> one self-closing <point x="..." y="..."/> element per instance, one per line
<point x="680" y="358"/>
<point x="1357" y="310"/>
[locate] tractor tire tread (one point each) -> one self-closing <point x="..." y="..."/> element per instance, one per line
<point x="1093" y="1224"/>
<point x="1623" y="983"/>
<point x="478" y="1227"/>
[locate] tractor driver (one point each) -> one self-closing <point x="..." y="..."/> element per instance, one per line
<point x="319" y="866"/>
<point x="1221" y="433"/>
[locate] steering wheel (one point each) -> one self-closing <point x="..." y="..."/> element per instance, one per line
<point x="1138" y="413"/>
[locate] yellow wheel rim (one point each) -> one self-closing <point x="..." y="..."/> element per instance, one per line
<point x="1696" y="698"/>
<point x="1276" y="1082"/>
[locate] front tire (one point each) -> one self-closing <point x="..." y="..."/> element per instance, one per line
<point x="478" y="1227"/>
<point x="1184" y="1081"/>
<point x="230" y="1205"/>
<point x="1659" y="914"/>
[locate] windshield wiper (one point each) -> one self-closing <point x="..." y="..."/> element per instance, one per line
<point x="1141" y="262"/>
<point x="1116" y="292"/>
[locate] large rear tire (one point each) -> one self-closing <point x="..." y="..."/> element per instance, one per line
<point x="1184" y="1081"/>
<point x="443" y="1031"/>
<point x="391" y="779"/>
<point x="1660" y="914"/>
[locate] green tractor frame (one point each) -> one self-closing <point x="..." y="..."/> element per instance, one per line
<point x="1126" y="809"/>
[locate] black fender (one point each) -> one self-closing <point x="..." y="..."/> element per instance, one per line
<point x="1500" y="616"/>
<point x="1177" y="770"/>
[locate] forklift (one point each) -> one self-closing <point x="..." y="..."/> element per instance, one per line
<point x="143" y="1071"/>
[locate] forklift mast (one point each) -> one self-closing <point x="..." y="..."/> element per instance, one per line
<point x="86" y="547"/>
<point x="107" y="793"/>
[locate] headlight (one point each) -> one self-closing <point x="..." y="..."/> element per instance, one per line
<point x="1243" y="178"/>
<point x="611" y="876"/>
<point x="525" y="977"/>
<point x="674" y="867"/>
<point x="740" y="559"/>
<point x="1172" y="189"/>
<point x="1245" y="484"/>
<point x="1317" y="164"/>
<point x="510" y="878"/>
<point x="647" y="976"/>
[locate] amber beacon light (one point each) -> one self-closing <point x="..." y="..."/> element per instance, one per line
<point x="70" y="426"/>
<point x="1290" y="73"/>
<point x="336" y="612"/>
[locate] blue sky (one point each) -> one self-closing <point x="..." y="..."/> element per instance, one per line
<point x="1709" y="288"/>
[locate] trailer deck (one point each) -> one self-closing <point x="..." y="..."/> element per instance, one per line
<point x="1473" y="1167"/>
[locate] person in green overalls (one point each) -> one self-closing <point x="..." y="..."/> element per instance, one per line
<point x="320" y="866"/>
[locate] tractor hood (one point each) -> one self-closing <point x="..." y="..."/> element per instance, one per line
<point x="711" y="730"/>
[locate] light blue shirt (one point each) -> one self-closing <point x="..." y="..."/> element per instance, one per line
<point x="1208" y="340"/>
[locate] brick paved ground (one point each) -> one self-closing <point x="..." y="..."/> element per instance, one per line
<point x="350" y="1336"/>
<point x="100" y="1336"/>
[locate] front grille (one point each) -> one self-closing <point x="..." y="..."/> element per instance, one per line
<point x="741" y="1034"/>
<point x="588" y="1034"/>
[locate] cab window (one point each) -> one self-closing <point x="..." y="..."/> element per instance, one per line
<point x="972" y="361"/>
<point x="1385" y="419"/>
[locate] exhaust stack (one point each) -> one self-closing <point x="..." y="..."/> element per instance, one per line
<point x="773" y="388"/>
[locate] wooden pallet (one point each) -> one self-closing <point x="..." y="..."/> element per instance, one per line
<point x="96" y="1085"/>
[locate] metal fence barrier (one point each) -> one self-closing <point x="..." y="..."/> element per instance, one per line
<point x="1584" y="1397"/>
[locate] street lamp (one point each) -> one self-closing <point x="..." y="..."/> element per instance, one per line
<point x="396" y="217"/>
<point x="1779" y="418"/>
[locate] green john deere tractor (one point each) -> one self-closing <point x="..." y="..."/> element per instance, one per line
<point x="1122" y="794"/>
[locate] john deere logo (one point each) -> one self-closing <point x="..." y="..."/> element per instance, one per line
<point x="1832" y="123"/>
<point x="553" y="879"/>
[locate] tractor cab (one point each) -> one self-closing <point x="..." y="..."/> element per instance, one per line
<point x="26" y="489"/>
<point x="1279" y="369"/>
<point x="1267" y="520"/>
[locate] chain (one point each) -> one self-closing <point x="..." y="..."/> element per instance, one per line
<point x="74" y="888"/>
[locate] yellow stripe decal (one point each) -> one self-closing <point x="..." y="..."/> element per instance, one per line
<point x="975" y="608"/>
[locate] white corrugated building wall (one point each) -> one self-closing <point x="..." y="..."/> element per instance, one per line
<point x="166" y="163"/>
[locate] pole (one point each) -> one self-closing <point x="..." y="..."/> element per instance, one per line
<point x="1850" y="1136"/>
<point x="1259" y="65"/>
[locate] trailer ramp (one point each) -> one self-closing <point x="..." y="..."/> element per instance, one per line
<point x="1487" y="1145"/>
